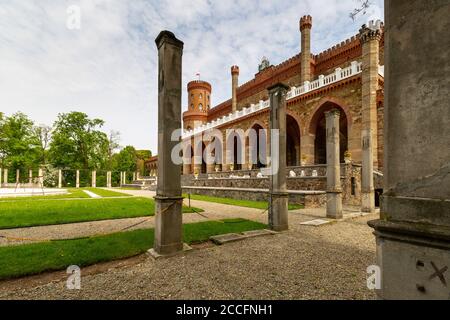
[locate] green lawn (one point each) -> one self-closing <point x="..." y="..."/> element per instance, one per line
<point x="39" y="213"/>
<point x="17" y="261"/>
<point x="72" y="194"/>
<point x="240" y="203"/>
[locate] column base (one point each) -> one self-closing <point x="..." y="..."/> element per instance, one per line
<point x="168" y="225"/>
<point x="414" y="260"/>
<point x="278" y="211"/>
<point x="368" y="202"/>
<point x="155" y="255"/>
<point x="334" y="205"/>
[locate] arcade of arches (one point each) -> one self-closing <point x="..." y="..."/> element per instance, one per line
<point x="315" y="130"/>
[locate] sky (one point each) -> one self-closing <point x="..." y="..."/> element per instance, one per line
<point x="108" y="67"/>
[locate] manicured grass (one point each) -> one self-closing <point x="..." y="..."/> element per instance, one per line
<point x="107" y="193"/>
<point x="240" y="203"/>
<point x="17" y="261"/>
<point x="39" y="213"/>
<point x="72" y="194"/>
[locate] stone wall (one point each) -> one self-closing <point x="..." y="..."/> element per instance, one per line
<point x="307" y="199"/>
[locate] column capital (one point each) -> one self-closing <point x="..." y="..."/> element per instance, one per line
<point x="333" y="113"/>
<point x="169" y="37"/>
<point x="371" y="31"/>
<point x="277" y="87"/>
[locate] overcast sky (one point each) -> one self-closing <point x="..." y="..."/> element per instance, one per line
<point x="108" y="68"/>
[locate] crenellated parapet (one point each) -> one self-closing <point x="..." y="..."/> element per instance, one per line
<point x="305" y="22"/>
<point x="371" y="31"/>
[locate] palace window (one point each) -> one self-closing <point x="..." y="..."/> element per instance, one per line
<point x="200" y="107"/>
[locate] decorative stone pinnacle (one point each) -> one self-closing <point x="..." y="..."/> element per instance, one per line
<point x="305" y="22"/>
<point x="371" y="31"/>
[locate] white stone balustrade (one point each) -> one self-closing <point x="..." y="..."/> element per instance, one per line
<point x="323" y="81"/>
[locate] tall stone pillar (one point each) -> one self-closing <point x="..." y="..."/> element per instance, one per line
<point x="5" y="177"/>
<point x="334" y="190"/>
<point x="17" y="176"/>
<point x="30" y="177"/>
<point x="134" y="176"/>
<point x="370" y="36"/>
<point x="94" y="179"/>
<point x="305" y="55"/>
<point x="234" y="86"/>
<point x="59" y="179"/>
<point x="278" y="197"/>
<point x="124" y="181"/>
<point x="413" y="234"/>
<point x="169" y="200"/>
<point x="77" y="183"/>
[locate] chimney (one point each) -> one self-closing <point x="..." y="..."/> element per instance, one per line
<point x="305" y="29"/>
<point x="234" y="85"/>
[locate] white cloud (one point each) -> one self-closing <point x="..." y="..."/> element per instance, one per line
<point x="108" y="69"/>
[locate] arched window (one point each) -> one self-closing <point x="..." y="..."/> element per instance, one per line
<point x="201" y="96"/>
<point x="200" y="107"/>
<point x="192" y="106"/>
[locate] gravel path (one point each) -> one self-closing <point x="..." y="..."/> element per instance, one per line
<point x="327" y="262"/>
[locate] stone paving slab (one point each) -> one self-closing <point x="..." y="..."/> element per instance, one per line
<point x="233" y="237"/>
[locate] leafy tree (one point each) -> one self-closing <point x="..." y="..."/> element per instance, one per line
<point x="19" y="145"/>
<point x="126" y="160"/>
<point x="77" y="142"/>
<point x="43" y="134"/>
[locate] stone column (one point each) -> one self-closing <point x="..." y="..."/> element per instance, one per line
<point x="77" y="183"/>
<point x="59" y="179"/>
<point x="367" y="183"/>
<point x="41" y="177"/>
<point x="278" y="198"/>
<point x="124" y="177"/>
<point x="134" y="176"/>
<point x="30" y="177"/>
<point x="370" y="36"/>
<point x="413" y="234"/>
<point x="1" y="175"/>
<point x="17" y="176"/>
<point x="109" y="179"/>
<point x="5" y="177"/>
<point x="234" y="86"/>
<point x="305" y="55"/>
<point x="169" y="200"/>
<point x="94" y="179"/>
<point x="334" y="190"/>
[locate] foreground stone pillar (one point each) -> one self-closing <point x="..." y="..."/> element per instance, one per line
<point x="17" y="176"/>
<point x="59" y="179"/>
<point x="77" y="183"/>
<point x="334" y="190"/>
<point x="413" y="234"/>
<point x="30" y="177"/>
<point x="169" y="200"/>
<point x="278" y="198"/>
<point x="94" y="179"/>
